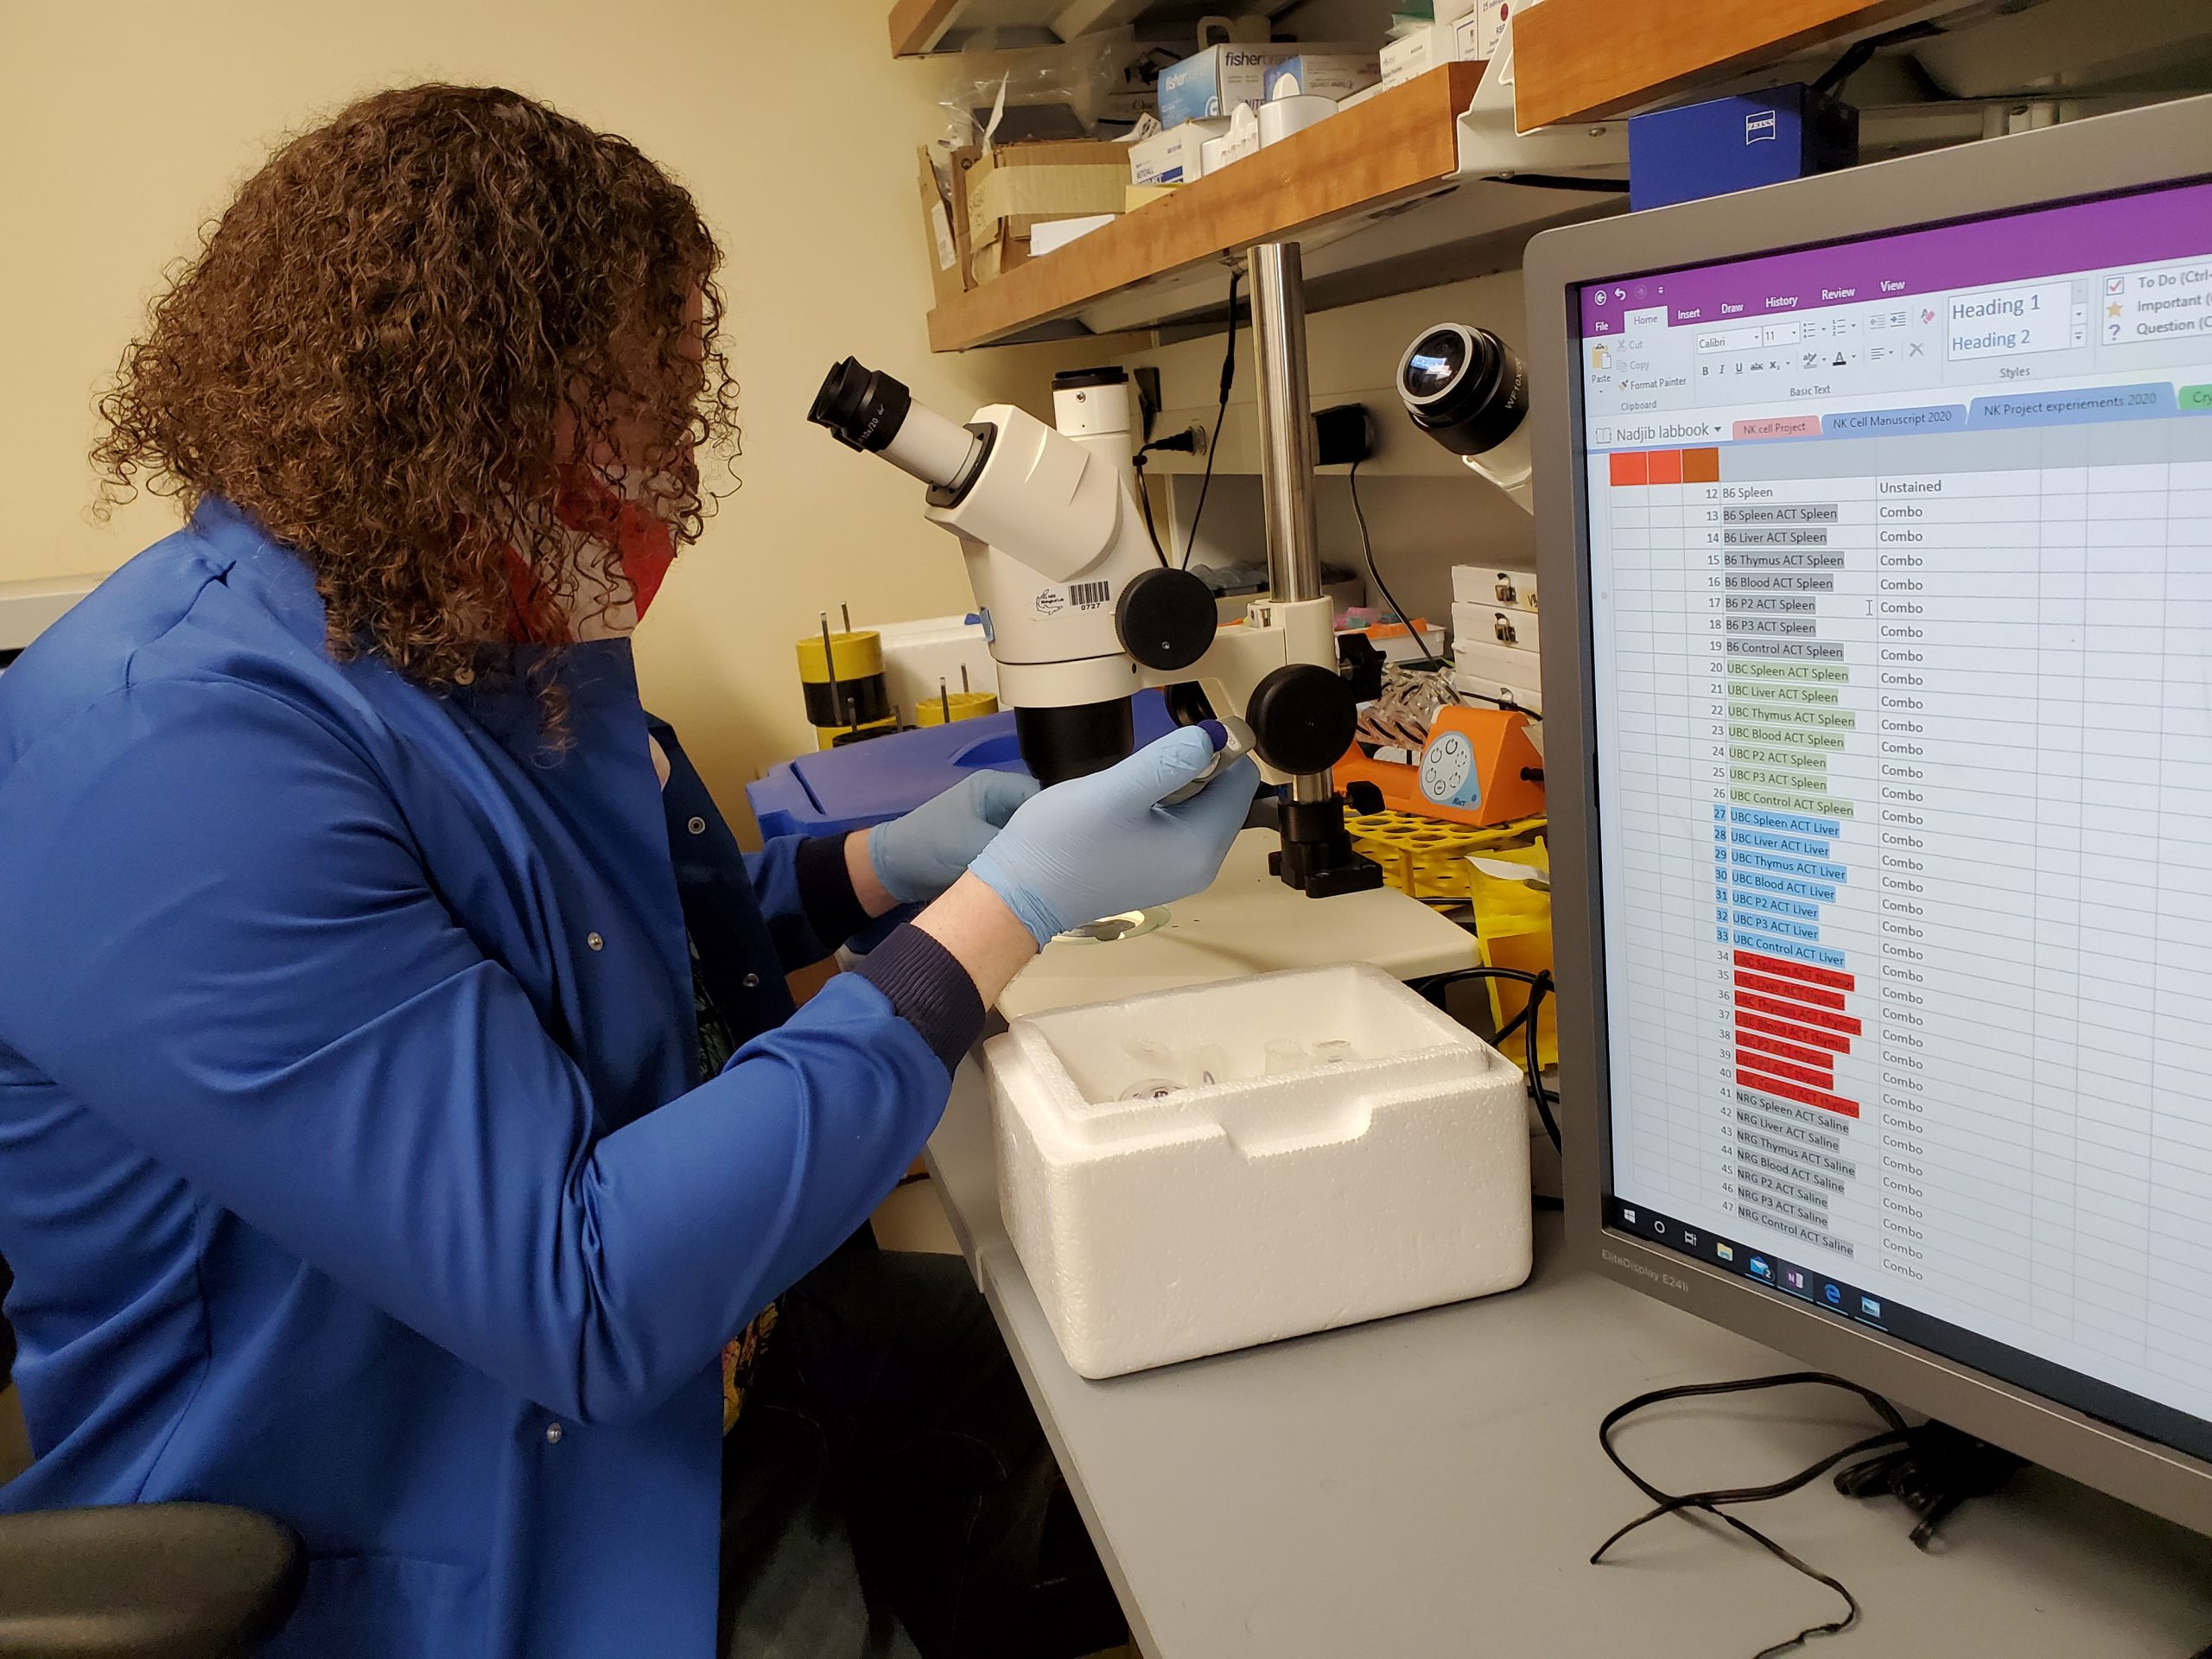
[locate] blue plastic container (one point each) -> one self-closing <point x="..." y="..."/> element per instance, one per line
<point x="834" y="790"/>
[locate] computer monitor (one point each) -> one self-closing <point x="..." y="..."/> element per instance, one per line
<point x="1877" y="508"/>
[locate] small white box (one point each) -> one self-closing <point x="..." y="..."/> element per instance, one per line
<point x="1414" y="53"/>
<point x="1483" y="584"/>
<point x="1225" y="1204"/>
<point x="1242" y="139"/>
<point x="1494" y="624"/>
<point x="1175" y="156"/>
<point x="1485" y="660"/>
<point x="1321" y="74"/>
<point x="1425" y="49"/>
<point x="1530" y="698"/>
<point x="1050" y="235"/>
<point x="919" y="656"/>
<point x="1479" y="34"/>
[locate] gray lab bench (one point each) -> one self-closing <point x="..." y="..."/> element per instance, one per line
<point x="1431" y="1485"/>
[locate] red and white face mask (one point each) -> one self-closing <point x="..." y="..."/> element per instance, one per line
<point x="619" y="553"/>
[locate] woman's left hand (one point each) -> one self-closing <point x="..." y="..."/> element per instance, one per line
<point x="919" y="856"/>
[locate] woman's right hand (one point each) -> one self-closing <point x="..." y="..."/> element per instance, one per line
<point x="1099" y="845"/>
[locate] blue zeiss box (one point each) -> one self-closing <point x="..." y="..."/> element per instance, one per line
<point x="1736" y="143"/>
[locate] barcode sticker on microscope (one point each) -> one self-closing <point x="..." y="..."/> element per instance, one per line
<point x="1088" y="595"/>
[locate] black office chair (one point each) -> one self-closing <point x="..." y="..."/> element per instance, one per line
<point x="142" y="1580"/>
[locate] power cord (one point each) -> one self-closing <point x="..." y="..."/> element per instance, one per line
<point x="1859" y="54"/>
<point x="1712" y="1502"/>
<point x="1221" y="414"/>
<point x="1367" y="553"/>
<point x="1184" y="443"/>
<point x="1144" y="500"/>
<point x="1539" y="986"/>
<point x="1931" y="1468"/>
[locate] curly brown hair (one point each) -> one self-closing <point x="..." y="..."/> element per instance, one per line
<point x="385" y="344"/>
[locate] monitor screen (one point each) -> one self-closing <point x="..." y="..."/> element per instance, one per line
<point x="1900" y="564"/>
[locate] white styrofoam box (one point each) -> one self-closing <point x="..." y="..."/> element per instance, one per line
<point x="1494" y="624"/>
<point x="1483" y="584"/>
<point x="1174" y="156"/>
<point x="1206" y="1216"/>
<point x="917" y="655"/>
<point x="1479" y="654"/>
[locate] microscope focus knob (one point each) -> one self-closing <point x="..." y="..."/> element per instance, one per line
<point x="1302" y="717"/>
<point x="1166" y="618"/>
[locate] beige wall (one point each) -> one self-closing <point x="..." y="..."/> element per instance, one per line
<point x="129" y="124"/>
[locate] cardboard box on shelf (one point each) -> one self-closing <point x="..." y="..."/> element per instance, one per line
<point x="1019" y="186"/>
<point x="1143" y="195"/>
<point x="1172" y="157"/>
<point x="944" y="233"/>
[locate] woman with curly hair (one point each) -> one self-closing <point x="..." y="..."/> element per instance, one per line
<point x="404" y="1128"/>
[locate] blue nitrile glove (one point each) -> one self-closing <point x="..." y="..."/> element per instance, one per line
<point x="1102" y="845"/>
<point x="919" y="856"/>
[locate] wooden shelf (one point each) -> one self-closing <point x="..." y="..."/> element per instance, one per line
<point x="1573" y="59"/>
<point x="1355" y="177"/>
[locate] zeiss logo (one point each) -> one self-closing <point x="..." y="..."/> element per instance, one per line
<point x="1760" y="128"/>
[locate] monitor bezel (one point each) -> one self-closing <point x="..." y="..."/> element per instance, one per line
<point x="2135" y="150"/>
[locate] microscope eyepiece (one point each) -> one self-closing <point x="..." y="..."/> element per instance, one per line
<point x="862" y="407"/>
<point x="867" y="410"/>
<point x="1464" y="387"/>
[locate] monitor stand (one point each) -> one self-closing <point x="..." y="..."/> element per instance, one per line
<point x="1935" y="1471"/>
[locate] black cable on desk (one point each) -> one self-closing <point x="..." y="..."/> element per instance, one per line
<point x="1712" y="1502"/>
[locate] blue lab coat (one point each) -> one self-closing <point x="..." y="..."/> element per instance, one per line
<point x="353" y="1163"/>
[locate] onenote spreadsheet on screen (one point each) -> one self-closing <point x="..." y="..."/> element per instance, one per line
<point x="1901" y="571"/>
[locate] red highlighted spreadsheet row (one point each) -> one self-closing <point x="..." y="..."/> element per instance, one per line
<point x="1817" y="1058"/>
<point x="1817" y="1098"/>
<point x="1809" y="1035"/>
<point x="1816" y="995"/>
<point x="1848" y="1024"/>
<point x="1780" y="967"/>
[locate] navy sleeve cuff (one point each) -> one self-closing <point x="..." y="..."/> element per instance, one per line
<point x="825" y="891"/>
<point x="930" y="989"/>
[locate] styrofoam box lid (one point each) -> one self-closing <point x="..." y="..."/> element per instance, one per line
<point x="1084" y="1059"/>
